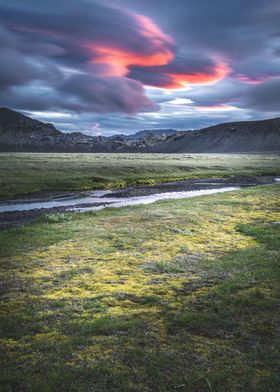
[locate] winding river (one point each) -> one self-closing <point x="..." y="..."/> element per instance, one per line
<point x="97" y="200"/>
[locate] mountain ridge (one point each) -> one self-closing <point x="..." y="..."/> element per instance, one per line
<point x="22" y="133"/>
<point x="240" y="136"/>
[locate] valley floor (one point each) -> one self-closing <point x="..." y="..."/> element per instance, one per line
<point x="25" y="173"/>
<point x="174" y="296"/>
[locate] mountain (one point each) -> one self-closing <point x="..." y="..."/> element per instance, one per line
<point x="245" y="136"/>
<point x="158" y="133"/>
<point x="21" y="133"/>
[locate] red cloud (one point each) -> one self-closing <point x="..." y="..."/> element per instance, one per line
<point x="148" y="48"/>
<point x="117" y="60"/>
<point x="179" y="80"/>
<point x="181" y="71"/>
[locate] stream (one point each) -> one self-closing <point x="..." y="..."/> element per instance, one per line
<point x="17" y="211"/>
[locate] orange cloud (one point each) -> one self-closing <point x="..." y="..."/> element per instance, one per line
<point x="118" y="60"/>
<point x="150" y="30"/>
<point x="179" y="80"/>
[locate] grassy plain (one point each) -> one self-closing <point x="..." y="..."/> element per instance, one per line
<point x="179" y="295"/>
<point x="22" y="173"/>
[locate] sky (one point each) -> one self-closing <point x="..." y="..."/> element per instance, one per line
<point x="119" y="66"/>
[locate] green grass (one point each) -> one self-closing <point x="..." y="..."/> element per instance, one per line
<point x="55" y="218"/>
<point x="125" y="300"/>
<point x="22" y="173"/>
<point x="162" y="267"/>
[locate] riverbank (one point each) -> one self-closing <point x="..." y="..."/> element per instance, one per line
<point x="16" y="212"/>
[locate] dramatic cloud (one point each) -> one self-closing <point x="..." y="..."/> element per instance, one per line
<point x="80" y="32"/>
<point x="264" y="97"/>
<point x="108" y="95"/>
<point x="89" y="47"/>
<point x="181" y="72"/>
<point x="140" y="64"/>
<point x="82" y="93"/>
<point x="17" y="69"/>
<point x="235" y="29"/>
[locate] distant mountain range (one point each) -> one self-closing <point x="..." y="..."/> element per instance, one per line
<point x="147" y="133"/>
<point x="21" y="133"/>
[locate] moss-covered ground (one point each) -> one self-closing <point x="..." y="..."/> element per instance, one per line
<point x="22" y="173"/>
<point x="173" y="296"/>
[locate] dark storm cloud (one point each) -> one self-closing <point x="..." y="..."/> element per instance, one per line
<point x="264" y="97"/>
<point x="95" y="43"/>
<point x="108" y="95"/>
<point x="75" y="26"/>
<point x="16" y="68"/>
<point x="236" y="28"/>
<point x="82" y="93"/>
<point x="22" y="99"/>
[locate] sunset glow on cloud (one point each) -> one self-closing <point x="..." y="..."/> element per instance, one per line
<point x="118" y="60"/>
<point x="181" y="80"/>
<point x="120" y="64"/>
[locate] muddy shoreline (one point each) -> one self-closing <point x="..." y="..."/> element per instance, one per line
<point x="17" y="218"/>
